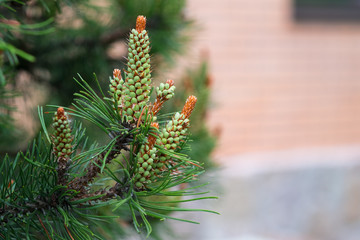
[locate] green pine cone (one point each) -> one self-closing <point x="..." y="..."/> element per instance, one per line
<point x="174" y="133"/>
<point x="138" y="79"/>
<point x="62" y="137"/>
<point x="116" y="86"/>
<point x="145" y="167"/>
<point x="165" y="91"/>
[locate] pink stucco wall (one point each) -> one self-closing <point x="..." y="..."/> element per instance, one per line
<point x="278" y="84"/>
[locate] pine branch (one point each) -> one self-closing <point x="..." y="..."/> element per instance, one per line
<point x="55" y="188"/>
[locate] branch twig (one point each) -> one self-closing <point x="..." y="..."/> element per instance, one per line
<point x="42" y="224"/>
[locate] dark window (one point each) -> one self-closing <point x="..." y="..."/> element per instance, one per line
<point x="327" y="10"/>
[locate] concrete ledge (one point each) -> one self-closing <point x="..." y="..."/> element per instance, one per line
<point x="293" y="195"/>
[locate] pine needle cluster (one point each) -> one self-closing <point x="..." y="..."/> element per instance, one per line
<point x="56" y="189"/>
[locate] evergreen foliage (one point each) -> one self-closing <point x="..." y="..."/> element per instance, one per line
<point x="63" y="186"/>
<point x="52" y="41"/>
<point x="11" y="54"/>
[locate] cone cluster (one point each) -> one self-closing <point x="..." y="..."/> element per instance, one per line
<point x="62" y="137"/>
<point x="132" y="96"/>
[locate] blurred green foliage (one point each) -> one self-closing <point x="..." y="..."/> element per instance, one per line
<point x="197" y="82"/>
<point x="85" y="33"/>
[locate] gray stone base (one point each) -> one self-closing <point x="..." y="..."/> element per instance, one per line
<point x="293" y="195"/>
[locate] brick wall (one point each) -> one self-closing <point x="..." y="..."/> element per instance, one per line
<point x="278" y="84"/>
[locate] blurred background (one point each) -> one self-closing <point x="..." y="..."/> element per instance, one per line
<point x="279" y="89"/>
<point x="285" y="100"/>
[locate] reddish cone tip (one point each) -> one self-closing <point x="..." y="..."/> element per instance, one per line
<point x="60" y="112"/>
<point x="189" y="106"/>
<point x="170" y="82"/>
<point x="117" y="73"/>
<point x="155" y="125"/>
<point x="140" y="23"/>
<point x="10" y="183"/>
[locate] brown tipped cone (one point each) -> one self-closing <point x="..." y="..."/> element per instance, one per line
<point x="60" y="113"/>
<point x="189" y="106"/>
<point x="62" y="147"/>
<point x="138" y="78"/>
<point x="140" y="23"/>
<point x="116" y="87"/>
<point x="62" y="136"/>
